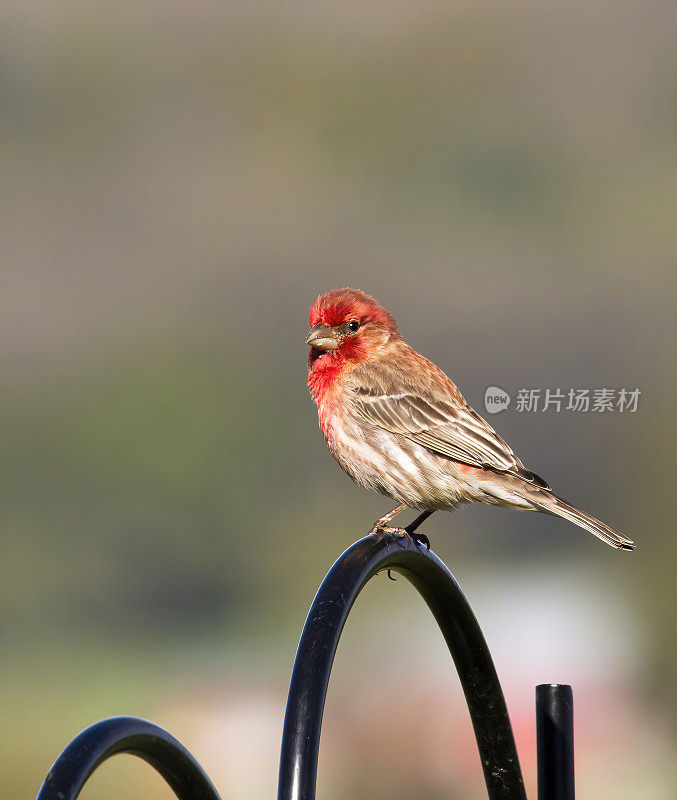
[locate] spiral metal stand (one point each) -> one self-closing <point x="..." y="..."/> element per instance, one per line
<point x="308" y="689"/>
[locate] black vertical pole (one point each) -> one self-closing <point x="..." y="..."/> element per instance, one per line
<point x="555" y="741"/>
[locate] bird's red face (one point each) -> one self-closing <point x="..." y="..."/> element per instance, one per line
<point x="349" y="325"/>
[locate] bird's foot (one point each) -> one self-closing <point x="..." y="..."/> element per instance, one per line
<point x="386" y="530"/>
<point x="379" y="531"/>
<point x="419" y="539"/>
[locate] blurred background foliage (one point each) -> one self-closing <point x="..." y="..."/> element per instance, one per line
<point x="180" y="182"/>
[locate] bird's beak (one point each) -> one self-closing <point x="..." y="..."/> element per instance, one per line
<point x="322" y="337"/>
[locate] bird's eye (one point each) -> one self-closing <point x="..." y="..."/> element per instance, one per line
<point x="353" y="325"/>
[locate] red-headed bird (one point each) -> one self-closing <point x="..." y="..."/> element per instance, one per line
<point x="398" y="425"/>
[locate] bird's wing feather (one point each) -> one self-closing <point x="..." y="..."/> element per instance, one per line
<point x="449" y="428"/>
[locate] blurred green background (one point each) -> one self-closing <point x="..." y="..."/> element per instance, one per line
<point x="180" y="182"/>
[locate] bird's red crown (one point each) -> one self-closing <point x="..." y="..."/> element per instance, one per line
<point x="342" y="305"/>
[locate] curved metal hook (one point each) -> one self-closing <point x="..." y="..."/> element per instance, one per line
<point x="126" y="735"/>
<point x="319" y="640"/>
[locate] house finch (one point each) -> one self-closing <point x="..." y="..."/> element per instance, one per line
<point x="397" y="424"/>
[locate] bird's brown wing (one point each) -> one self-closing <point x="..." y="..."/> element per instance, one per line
<point x="449" y="428"/>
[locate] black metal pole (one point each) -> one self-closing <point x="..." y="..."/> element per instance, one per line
<point x="555" y="741"/>
<point x="319" y="640"/>
<point x="126" y="735"/>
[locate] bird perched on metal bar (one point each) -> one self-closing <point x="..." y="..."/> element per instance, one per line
<point x="399" y="426"/>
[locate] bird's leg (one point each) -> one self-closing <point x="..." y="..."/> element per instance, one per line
<point x="381" y="525"/>
<point x="419" y="538"/>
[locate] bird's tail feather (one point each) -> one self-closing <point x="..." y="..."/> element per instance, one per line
<point x="555" y="505"/>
